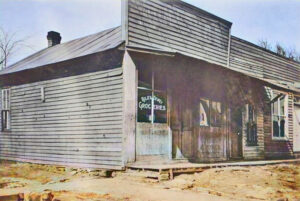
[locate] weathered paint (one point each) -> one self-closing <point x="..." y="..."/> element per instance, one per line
<point x="152" y="139"/>
<point x="177" y="27"/>
<point x="129" y="109"/>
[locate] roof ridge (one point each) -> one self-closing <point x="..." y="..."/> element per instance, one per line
<point x="34" y="58"/>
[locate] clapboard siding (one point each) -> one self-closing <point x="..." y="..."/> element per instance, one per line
<point x="251" y="59"/>
<point x="0" y="109"/>
<point x="176" y="26"/>
<point x="80" y="122"/>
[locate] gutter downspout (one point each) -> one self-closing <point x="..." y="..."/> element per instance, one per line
<point x="229" y="48"/>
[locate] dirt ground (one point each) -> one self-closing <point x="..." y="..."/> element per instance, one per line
<point x="37" y="182"/>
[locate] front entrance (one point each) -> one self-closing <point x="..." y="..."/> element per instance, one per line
<point x="236" y="134"/>
<point x="182" y="143"/>
<point x="199" y="128"/>
<point x="184" y="110"/>
<point x="152" y="131"/>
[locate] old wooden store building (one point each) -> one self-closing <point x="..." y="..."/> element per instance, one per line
<point x="170" y="83"/>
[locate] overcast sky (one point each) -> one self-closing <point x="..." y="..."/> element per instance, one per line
<point x="274" y="20"/>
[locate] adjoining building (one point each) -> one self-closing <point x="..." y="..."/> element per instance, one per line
<point x="170" y="83"/>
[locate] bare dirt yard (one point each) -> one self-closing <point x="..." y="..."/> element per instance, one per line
<point x="47" y="183"/>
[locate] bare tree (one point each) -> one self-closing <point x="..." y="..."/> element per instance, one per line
<point x="265" y="44"/>
<point x="9" y="44"/>
<point x="280" y="50"/>
<point x="290" y="53"/>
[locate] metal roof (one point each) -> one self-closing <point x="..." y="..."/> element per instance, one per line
<point x="94" y="43"/>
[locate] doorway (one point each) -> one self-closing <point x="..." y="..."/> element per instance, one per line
<point x="236" y="134"/>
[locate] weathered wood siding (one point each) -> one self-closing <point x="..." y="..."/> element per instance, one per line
<point x="296" y="139"/>
<point x="79" y="124"/>
<point x="177" y="26"/>
<point x="251" y="59"/>
<point x="278" y="148"/>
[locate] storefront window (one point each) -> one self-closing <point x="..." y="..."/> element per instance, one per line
<point x="144" y="106"/>
<point x="160" y="107"/>
<point x="152" y="104"/>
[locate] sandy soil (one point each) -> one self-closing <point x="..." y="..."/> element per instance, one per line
<point x="281" y="182"/>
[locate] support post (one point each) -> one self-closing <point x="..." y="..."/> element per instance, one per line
<point x="129" y="109"/>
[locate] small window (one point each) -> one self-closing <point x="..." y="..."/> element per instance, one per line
<point x="42" y="94"/>
<point x="5" y="109"/>
<point x="210" y="113"/>
<point x="204" y="112"/>
<point x="279" y="116"/>
<point x="251" y="127"/>
<point x="216" y="114"/>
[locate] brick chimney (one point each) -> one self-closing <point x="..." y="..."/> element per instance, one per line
<point x="54" y="38"/>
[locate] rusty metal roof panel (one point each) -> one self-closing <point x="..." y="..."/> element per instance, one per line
<point x="94" y="43"/>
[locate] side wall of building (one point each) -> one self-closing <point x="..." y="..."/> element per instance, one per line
<point x="79" y="123"/>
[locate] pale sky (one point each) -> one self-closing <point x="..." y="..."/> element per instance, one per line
<point x="274" y="20"/>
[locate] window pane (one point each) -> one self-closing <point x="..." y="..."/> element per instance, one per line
<point x="282" y="127"/>
<point x="275" y="128"/>
<point x="4" y="117"/>
<point x="251" y="127"/>
<point x="160" y="107"/>
<point x="204" y="112"/>
<point x="275" y="108"/>
<point x="250" y="113"/>
<point x="216" y="114"/>
<point x="282" y="110"/>
<point x="144" y="105"/>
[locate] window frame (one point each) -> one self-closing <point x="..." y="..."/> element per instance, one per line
<point x="279" y="115"/>
<point x="253" y="121"/>
<point x="209" y="115"/>
<point x="5" y="109"/>
<point x="153" y="92"/>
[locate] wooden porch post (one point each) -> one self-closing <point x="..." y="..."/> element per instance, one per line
<point x="129" y="109"/>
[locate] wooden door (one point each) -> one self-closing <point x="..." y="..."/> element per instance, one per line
<point x="181" y="123"/>
<point x="176" y="126"/>
<point x="236" y="134"/>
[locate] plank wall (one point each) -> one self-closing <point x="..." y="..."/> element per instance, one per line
<point x="79" y="124"/>
<point x="251" y="59"/>
<point x="180" y="27"/>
